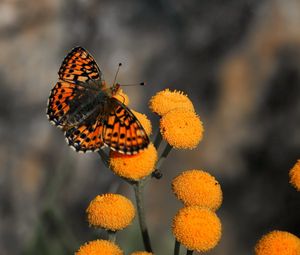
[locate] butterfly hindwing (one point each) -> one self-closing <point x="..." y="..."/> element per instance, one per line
<point x="79" y="66"/>
<point x="122" y="131"/>
<point x="86" y="137"/>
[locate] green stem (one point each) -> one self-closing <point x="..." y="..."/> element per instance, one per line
<point x="112" y="235"/>
<point x="158" y="139"/>
<point x="163" y="156"/>
<point x="138" y="189"/>
<point x="176" y="248"/>
<point x="104" y="157"/>
<point x="189" y="252"/>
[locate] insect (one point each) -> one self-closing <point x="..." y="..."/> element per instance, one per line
<point x="85" y="108"/>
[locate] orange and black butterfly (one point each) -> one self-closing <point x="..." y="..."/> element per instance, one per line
<point x="82" y="105"/>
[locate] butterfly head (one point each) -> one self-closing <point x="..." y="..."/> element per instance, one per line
<point x="115" y="89"/>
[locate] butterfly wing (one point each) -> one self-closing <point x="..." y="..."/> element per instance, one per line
<point x="79" y="66"/>
<point x="59" y="101"/>
<point x="87" y="136"/>
<point x="80" y="81"/>
<point x="66" y="101"/>
<point x="122" y="131"/>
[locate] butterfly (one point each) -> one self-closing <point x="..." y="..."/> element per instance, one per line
<point x="86" y="109"/>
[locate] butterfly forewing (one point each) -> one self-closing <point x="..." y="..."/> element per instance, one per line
<point x="66" y="102"/>
<point x="59" y="101"/>
<point x="79" y="66"/>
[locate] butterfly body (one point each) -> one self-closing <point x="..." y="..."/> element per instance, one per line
<point x="82" y="105"/>
<point x="87" y="106"/>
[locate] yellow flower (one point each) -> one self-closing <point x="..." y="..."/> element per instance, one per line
<point x="122" y="97"/>
<point x="99" y="247"/>
<point x="167" y="100"/>
<point x="197" y="228"/>
<point x="181" y="128"/>
<point x="196" y="187"/>
<point x="295" y="175"/>
<point x="278" y="243"/>
<point x="141" y="253"/>
<point x="142" y="118"/>
<point x="136" y="166"/>
<point x="110" y="211"/>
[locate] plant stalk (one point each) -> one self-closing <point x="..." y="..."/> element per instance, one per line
<point x="158" y="139"/>
<point x="176" y="248"/>
<point x="138" y="189"/>
<point x="163" y="156"/>
<point x="104" y="157"/>
<point x="112" y="235"/>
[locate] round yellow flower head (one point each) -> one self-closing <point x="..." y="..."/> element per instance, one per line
<point x="110" y="211"/>
<point x="141" y="253"/>
<point x="122" y="97"/>
<point x="99" y="247"/>
<point x="197" y="228"/>
<point x="196" y="187"/>
<point x="142" y="118"/>
<point x="295" y="175"/>
<point x="167" y="100"/>
<point x="278" y="243"/>
<point x="134" y="167"/>
<point x="181" y="128"/>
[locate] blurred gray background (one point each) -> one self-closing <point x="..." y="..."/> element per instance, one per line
<point x="238" y="60"/>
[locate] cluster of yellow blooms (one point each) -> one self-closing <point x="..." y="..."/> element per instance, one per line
<point x="295" y="175"/>
<point x="196" y="225"/>
<point x="180" y="126"/>
<point x="278" y="243"/>
<point x="281" y="242"/>
<point x="99" y="247"/>
<point x="110" y="211"/>
<point x="134" y="167"/>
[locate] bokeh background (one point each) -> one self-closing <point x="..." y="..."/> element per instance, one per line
<point x="239" y="62"/>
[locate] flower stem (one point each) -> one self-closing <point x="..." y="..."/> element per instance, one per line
<point x="176" y="248"/>
<point x="189" y="252"/>
<point x="112" y="235"/>
<point x="104" y="157"/>
<point x="158" y="139"/>
<point x="163" y="156"/>
<point x="138" y="189"/>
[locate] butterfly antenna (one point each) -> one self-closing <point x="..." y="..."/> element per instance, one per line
<point x="120" y="64"/>
<point x="134" y="84"/>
